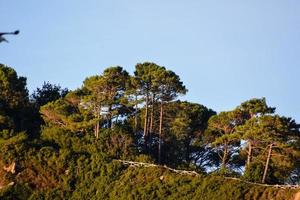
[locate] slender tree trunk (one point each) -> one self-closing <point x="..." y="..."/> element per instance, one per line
<point x="136" y="114"/>
<point x="250" y="148"/>
<point x="151" y="119"/>
<point x="148" y="125"/>
<point x="96" y="116"/>
<point x="116" y="121"/>
<point x="152" y="115"/>
<point x="98" y="122"/>
<point x="160" y="132"/>
<point x="187" y="155"/>
<point x="146" y="121"/>
<point x="225" y="155"/>
<point x="97" y="129"/>
<point x="267" y="163"/>
<point x="97" y="126"/>
<point x="249" y="157"/>
<point x="109" y="117"/>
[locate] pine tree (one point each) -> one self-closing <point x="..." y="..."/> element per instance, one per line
<point x="221" y="131"/>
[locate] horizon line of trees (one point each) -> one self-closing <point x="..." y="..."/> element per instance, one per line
<point x="140" y="116"/>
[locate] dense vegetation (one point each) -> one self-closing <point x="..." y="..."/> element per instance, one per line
<point x="61" y="144"/>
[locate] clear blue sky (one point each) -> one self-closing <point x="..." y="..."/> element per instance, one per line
<point x="225" y="51"/>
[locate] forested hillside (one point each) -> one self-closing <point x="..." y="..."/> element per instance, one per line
<point x="63" y="144"/>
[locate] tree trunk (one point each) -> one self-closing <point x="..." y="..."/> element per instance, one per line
<point x="152" y="115"/>
<point x="97" y="126"/>
<point x="250" y="149"/>
<point x="109" y="117"/>
<point x="187" y="153"/>
<point x="146" y="121"/>
<point x="267" y="164"/>
<point x="151" y="119"/>
<point x="136" y="114"/>
<point x="97" y="129"/>
<point x="249" y="157"/>
<point x="225" y="154"/>
<point x="160" y="132"/>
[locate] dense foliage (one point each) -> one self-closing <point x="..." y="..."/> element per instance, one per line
<point x="60" y="144"/>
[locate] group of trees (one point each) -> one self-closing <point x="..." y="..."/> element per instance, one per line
<point x="139" y="117"/>
<point x="141" y="101"/>
<point x="252" y="136"/>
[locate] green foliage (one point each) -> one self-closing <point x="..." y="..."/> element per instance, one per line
<point x="221" y="134"/>
<point x="47" y="93"/>
<point x="275" y="130"/>
<point x="185" y="124"/>
<point x="13" y="92"/>
<point x="17" y="192"/>
<point x="67" y="114"/>
<point x="105" y="94"/>
<point x="14" y="99"/>
<point x="157" y="183"/>
<point x="76" y="148"/>
<point x="254" y="107"/>
<point x="13" y="148"/>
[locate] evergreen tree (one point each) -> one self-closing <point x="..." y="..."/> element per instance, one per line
<point x="14" y="100"/>
<point x="185" y="124"/>
<point x="106" y="96"/>
<point x="253" y="108"/>
<point x="144" y="82"/>
<point x="275" y="140"/>
<point x="67" y="113"/>
<point x="47" y="93"/>
<point x="221" y="132"/>
<point x="169" y="87"/>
